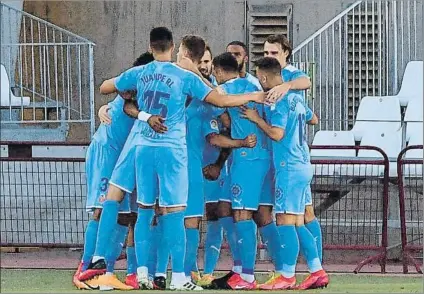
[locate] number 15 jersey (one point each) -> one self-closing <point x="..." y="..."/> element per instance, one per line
<point x="162" y="89"/>
<point x="291" y="114"/>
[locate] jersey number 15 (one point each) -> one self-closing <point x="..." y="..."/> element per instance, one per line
<point x="156" y="101"/>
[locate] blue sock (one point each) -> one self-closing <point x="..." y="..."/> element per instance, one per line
<point x="162" y="251"/>
<point x="131" y="260"/>
<point x="247" y="241"/>
<point x="193" y="239"/>
<point x="315" y="228"/>
<point x="153" y="253"/>
<point x="309" y="249"/>
<point x="142" y="235"/>
<point x="107" y="224"/>
<point x="212" y="246"/>
<point x="114" y="251"/>
<point x="290" y="249"/>
<point x="230" y="231"/>
<point x="270" y="236"/>
<point x="89" y="242"/>
<point x="175" y="237"/>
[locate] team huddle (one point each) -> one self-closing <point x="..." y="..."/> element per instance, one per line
<point x="201" y="138"/>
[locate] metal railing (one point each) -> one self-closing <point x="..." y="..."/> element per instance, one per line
<point x="410" y="183"/>
<point x="48" y="64"/>
<point x="363" y="51"/>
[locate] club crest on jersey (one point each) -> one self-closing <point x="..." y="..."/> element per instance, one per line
<point x="214" y="125"/>
<point x="278" y="193"/>
<point x="236" y="190"/>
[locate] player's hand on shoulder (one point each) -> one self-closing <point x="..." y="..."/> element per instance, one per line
<point x="250" y="141"/>
<point x="211" y="172"/>
<point x="259" y="97"/>
<point x="277" y="93"/>
<point x="249" y="113"/>
<point x="104" y="116"/>
<point x="156" y="122"/>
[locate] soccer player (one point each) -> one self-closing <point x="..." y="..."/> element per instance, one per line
<point x="101" y="157"/>
<point x="287" y="129"/>
<point x="246" y="189"/>
<point x="279" y="47"/>
<point x="239" y="50"/>
<point x="161" y="156"/>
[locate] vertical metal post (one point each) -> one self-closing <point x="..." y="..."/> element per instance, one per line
<point x="395" y="48"/>
<point x="91" y="83"/>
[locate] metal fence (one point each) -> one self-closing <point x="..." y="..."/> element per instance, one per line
<point x="410" y="171"/>
<point x="363" y="51"/>
<point x="43" y="202"/>
<point x="49" y="66"/>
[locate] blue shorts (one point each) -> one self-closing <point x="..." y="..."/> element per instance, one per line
<point x="267" y="195"/>
<point x="291" y="189"/>
<point x="196" y="199"/>
<point x="215" y="190"/>
<point x="247" y="183"/>
<point x="308" y="199"/>
<point x="99" y="163"/>
<point x="161" y="172"/>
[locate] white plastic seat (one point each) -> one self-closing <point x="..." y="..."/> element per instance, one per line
<point x="412" y="83"/>
<point x="332" y="138"/>
<point x="390" y="143"/>
<point x="6" y="95"/>
<point x="377" y="114"/>
<point x="414" y="118"/>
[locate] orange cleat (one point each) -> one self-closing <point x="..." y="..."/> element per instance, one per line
<point x="237" y="283"/>
<point x="107" y="282"/>
<point x="77" y="283"/>
<point x="315" y="280"/>
<point x="279" y="282"/>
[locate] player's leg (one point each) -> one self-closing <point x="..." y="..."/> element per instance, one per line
<point x="246" y="191"/>
<point x="192" y="230"/>
<point x="131" y="278"/>
<point x="159" y="281"/>
<point x="153" y="252"/>
<point x="213" y="242"/>
<point x="173" y="194"/>
<point x="312" y="223"/>
<point x="147" y="189"/>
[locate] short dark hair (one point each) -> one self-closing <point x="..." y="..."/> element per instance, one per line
<point x="226" y="61"/>
<point x="238" y="43"/>
<point x="283" y="41"/>
<point x="161" y="39"/>
<point x="269" y="65"/>
<point x="208" y="48"/>
<point x="143" y="59"/>
<point x="195" y="45"/>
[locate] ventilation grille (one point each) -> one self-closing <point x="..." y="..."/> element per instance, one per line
<point x="265" y="20"/>
<point x="366" y="57"/>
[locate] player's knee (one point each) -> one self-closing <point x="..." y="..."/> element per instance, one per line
<point x="287" y="219"/>
<point x="224" y="209"/>
<point x="115" y="193"/>
<point x="124" y="219"/>
<point x="96" y="214"/>
<point x="192" y="222"/>
<point x="263" y="216"/>
<point x="309" y="214"/>
<point x="242" y="215"/>
<point x="211" y="211"/>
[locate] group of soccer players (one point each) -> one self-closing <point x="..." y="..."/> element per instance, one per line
<point x="201" y="136"/>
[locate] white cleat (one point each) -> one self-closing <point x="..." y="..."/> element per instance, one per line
<point x="185" y="286"/>
<point x="143" y="280"/>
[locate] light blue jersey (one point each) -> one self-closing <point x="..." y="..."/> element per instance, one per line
<point x="117" y="132"/>
<point x="253" y="80"/>
<point x="162" y="89"/>
<point x="291" y="114"/>
<point x="290" y="73"/>
<point x="241" y="127"/>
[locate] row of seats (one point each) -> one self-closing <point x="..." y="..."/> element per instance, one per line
<point x="412" y="83"/>
<point x="7" y="98"/>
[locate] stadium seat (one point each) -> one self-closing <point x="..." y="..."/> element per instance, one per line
<point x="381" y="114"/>
<point x="7" y="98"/>
<point x="390" y="142"/>
<point x="331" y="138"/>
<point x="414" y="118"/>
<point x="412" y="83"/>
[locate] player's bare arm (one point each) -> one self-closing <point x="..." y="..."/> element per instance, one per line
<point x="156" y="122"/>
<point x="274" y="133"/>
<point x="104" y="116"/>
<point x="276" y="93"/>
<point x="217" y="98"/>
<point x="314" y="120"/>
<point x="222" y="141"/>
